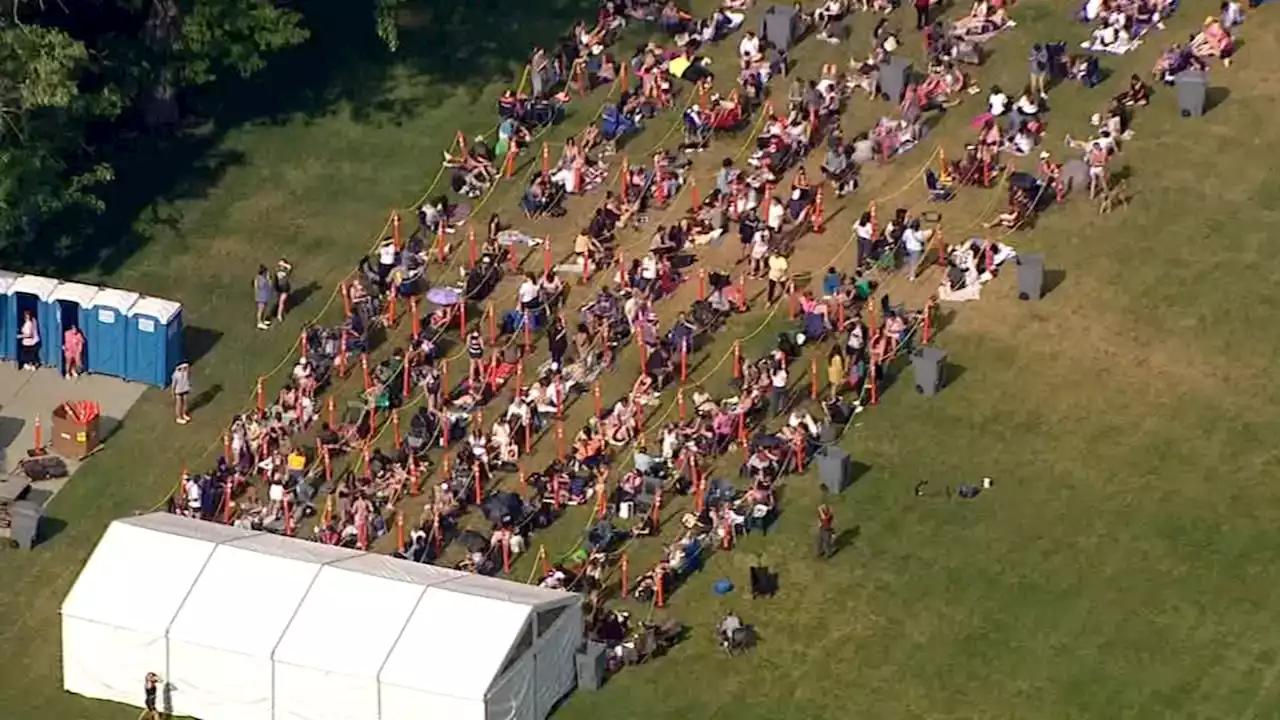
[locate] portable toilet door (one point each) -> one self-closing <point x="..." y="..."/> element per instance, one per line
<point x="155" y="341"/>
<point x="8" y="322"/>
<point x="107" y="338"/>
<point x="70" y="304"/>
<point x="30" y="294"/>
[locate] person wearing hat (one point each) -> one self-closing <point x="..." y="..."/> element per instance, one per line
<point x="180" y="385"/>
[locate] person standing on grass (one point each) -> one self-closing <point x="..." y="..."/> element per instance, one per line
<point x="557" y="341"/>
<point x="826" y="532"/>
<point x="180" y="383"/>
<point x="262" y="296"/>
<point x="922" y="13"/>
<point x="837" y="370"/>
<point x="475" y="357"/>
<point x="73" y="352"/>
<point x="150" y="687"/>
<point x="778" y="276"/>
<point x="778" y="381"/>
<point x="1039" y="60"/>
<point x="283" y="287"/>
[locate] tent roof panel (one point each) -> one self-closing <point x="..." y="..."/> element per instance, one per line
<point x="7" y="279"/>
<point x="390" y="568"/>
<point x="512" y="592"/>
<point x="294" y="549"/>
<point x="37" y="285"/>
<point x="75" y="292"/>
<point x="319" y="639"/>
<point x="158" y="308"/>
<point x="455" y="644"/>
<point x="233" y="579"/>
<point x="140" y="572"/>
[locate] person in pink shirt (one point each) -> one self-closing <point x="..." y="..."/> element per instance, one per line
<point x="73" y="352"/>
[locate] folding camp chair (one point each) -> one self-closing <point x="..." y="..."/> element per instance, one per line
<point x="937" y="191"/>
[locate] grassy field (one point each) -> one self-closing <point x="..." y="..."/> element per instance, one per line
<point x="1121" y="565"/>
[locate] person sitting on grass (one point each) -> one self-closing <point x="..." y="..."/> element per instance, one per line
<point x="1213" y="41"/>
<point x="1137" y="93"/>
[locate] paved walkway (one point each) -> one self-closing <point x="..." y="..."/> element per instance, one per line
<point x="25" y="394"/>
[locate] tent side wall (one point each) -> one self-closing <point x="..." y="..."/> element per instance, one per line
<point x="311" y="694"/>
<point x="402" y="703"/>
<point x="214" y="684"/>
<point x="555" y="662"/>
<point x="513" y="696"/>
<point x="109" y="663"/>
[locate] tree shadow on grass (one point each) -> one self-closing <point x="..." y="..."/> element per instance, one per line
<point x="447" y="51"/>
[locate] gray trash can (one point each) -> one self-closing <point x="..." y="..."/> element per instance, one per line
<point x="1193" y="87"/>
<point x="835" y="469"/>
<point x="928" y="365"/>
<point x="24" y="527"/>
<point x="591" y="666"/>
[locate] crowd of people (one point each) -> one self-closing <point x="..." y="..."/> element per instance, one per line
<point x="620" y="465"/>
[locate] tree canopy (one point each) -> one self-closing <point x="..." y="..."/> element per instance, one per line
<point x="73" y="72"/>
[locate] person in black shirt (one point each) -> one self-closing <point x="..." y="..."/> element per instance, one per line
<point x="283" y="286"/>
<point x="150" y="685"/>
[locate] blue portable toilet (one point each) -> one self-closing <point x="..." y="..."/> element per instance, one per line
<point x="107" y="333"/>
<point x="31" y="293"/>
<point x="8" y="326"/>
<point x="155" y="341"/>
<point x="70" y="303"/>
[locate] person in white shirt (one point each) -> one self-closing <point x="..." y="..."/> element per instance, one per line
<point x="749" y="48"/>
<point x="776" y="214"/>
<point x="778" y="380"/>
<point x="29" y="342"/>
<point x="191" y="489"/>
<point x="997" y="101"/>
<point x="914" y="241"/>
<point x="527" y="293"/>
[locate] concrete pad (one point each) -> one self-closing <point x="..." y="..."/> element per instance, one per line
<point x="25" y="394"/>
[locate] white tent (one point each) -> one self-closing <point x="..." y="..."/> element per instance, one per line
<point x="255" y="626"/>
<point x="115" y="620"/>
<point x="223" y="638"/>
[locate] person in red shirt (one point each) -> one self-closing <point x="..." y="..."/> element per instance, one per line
<point x="922" y="14"/>
<point x="826" y="532"/>
<point x="73" y="352"/>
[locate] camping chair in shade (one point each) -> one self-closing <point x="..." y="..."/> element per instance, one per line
<point x="938" y="192"/>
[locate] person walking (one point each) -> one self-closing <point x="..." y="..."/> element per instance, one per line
<point x="72" y="352"/>
<point x="826" y="532"/>
<point x="180" y="385"/>
<point x="262" y="296"/>
<point x="29" y="342"/>
<point x="283" y="286"/>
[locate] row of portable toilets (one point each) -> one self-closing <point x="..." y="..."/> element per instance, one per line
<point x="126" y="335"/>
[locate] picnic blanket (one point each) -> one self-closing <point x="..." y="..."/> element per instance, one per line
<point x="979" y="39"/>
<point x="1119" y="48"/>
<point x="517" y="237"/>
